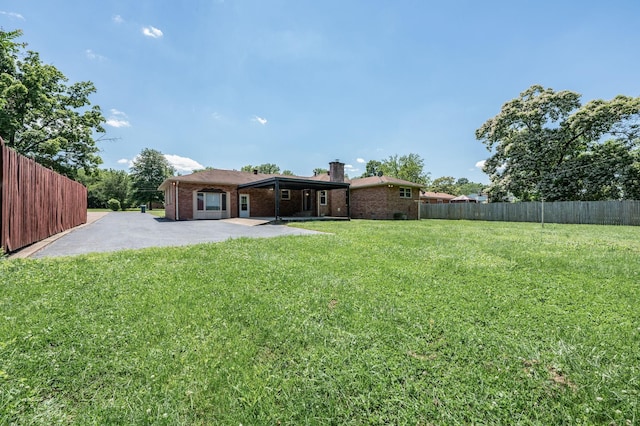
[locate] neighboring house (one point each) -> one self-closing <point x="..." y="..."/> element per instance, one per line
<point x="435" y="197"/>
<point x="220" y="194"/>
<point x="480" y="198"/>
<point x="463" y="199"/>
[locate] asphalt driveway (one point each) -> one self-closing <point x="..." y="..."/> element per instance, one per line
<point x="128" y="230"/>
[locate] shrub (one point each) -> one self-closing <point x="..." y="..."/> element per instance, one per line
<point x="399" y="216"/>
<point x="113" y="204"/>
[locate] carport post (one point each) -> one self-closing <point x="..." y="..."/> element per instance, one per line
<point x="276" y="194"/>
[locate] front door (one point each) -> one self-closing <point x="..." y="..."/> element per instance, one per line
<point x="307" y="201"/>
<point x="244" y="205"/>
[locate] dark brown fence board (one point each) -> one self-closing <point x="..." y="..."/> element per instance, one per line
<point x="36" y="202"/>
<point x="579" y="212"/>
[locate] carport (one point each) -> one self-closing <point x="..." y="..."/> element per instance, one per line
<point x="278" y="183"/>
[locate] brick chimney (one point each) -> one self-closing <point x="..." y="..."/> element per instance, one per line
<point x="336" y="171"/>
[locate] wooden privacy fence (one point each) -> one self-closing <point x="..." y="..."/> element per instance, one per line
<point x="580" y="212"/>
<point x="36" y="202"/>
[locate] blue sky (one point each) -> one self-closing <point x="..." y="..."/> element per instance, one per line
<point x="300" y="83"/>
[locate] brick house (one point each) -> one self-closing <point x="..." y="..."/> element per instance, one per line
<point x="220" y="194"/>
<point x="435" y="197"/>
<point x="384" y="197"/>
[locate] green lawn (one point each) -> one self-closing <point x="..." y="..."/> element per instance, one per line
<point x="375" y="322"/>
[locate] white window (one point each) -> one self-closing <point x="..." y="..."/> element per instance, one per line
<point x="285" y="194"/>
<point x="211" y="201"/>
<point x="405" y="192"/>
<point x="322" y="196"/>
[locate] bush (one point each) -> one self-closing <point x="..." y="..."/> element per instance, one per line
<point x="113" y="204"/>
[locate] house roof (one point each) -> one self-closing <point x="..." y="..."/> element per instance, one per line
<point x="252" y="180"/>
<point x="438" y="195"/>
<point x="264" y="180"/>
<point x="217" y="176"/>
<point x="381" y="181"/>
<point x="288" y="182"/>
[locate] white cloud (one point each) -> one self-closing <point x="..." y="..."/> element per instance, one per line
<point x="118" y="119"/>
<point x="118" y="19"/>
<point x="183" y="164"/>
<point x="94" y="56"/>
<point x="480" y="164"/>
<point x="349" y="169"/>
<point x="152" y="32"/>
<point x="12" y="15"/>
<point x="260" y="120"/>
<point x="360" y="160"/>
<point x="126" y="161"/>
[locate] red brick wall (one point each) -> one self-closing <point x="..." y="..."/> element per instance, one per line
<point x="337" y="203"/>
<point x="381" y="202"/>
<point x="185" y="200"/>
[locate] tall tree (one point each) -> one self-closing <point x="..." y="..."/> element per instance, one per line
<point x="373" y="168"/>
<point x="446" y="184"/>
<point x="408" y="167"/>
<point x="320" y="171"/>
<point x="43" y="117"/>
<point x="104" y="185"/>
<point x="116" y="184"/>
<point x="266" y="168"/>
<point x="150" y="168"/>
<point x="542" y="137"/>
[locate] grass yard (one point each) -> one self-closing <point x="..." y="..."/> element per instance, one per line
<point x="375" y="322"/>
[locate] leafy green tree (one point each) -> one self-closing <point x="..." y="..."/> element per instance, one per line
<point x="320" y="171"/>
<point x="287" y="172"/>
<point x="466" y="187"/>
<point x="103" y="185"/>
<point x="116" y="185"/>
<point x="150" y="168"/>
<point x="43" y="117"/>
<point x="93" y="182"/>
<point x="446" y="184"/>
<point x="266" y="168"/>
<point x="408" y="167"/>
<point x="373" y="168"/>
<point x="203" y="170"/>
<point x="540" y="141"/>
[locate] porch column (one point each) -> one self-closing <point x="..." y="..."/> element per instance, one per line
<point x="276" y="194"/>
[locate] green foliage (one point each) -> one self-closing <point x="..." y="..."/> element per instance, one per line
<point x="408" y="167"/>
<point x="373" y="168"/>
<point x="287" y="173"/>
<point x="114" y="204"/>
<point x="546" y="143"/>
<point x="203" y="170"/>
<point x="105" y="184"/>
<point x="43" y="117"/>
<point x="449" y="185"/>
<point x="150" y="168"/>
<point x="320" y="171"/>
<point x="267" y="168"/>
<point x="453" y="322"/>
<point x="446" y="184"/>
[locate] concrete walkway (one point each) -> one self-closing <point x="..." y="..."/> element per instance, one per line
<point x="114" y="231"/>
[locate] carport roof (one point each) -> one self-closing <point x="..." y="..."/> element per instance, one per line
<point x="284" y="182"/>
